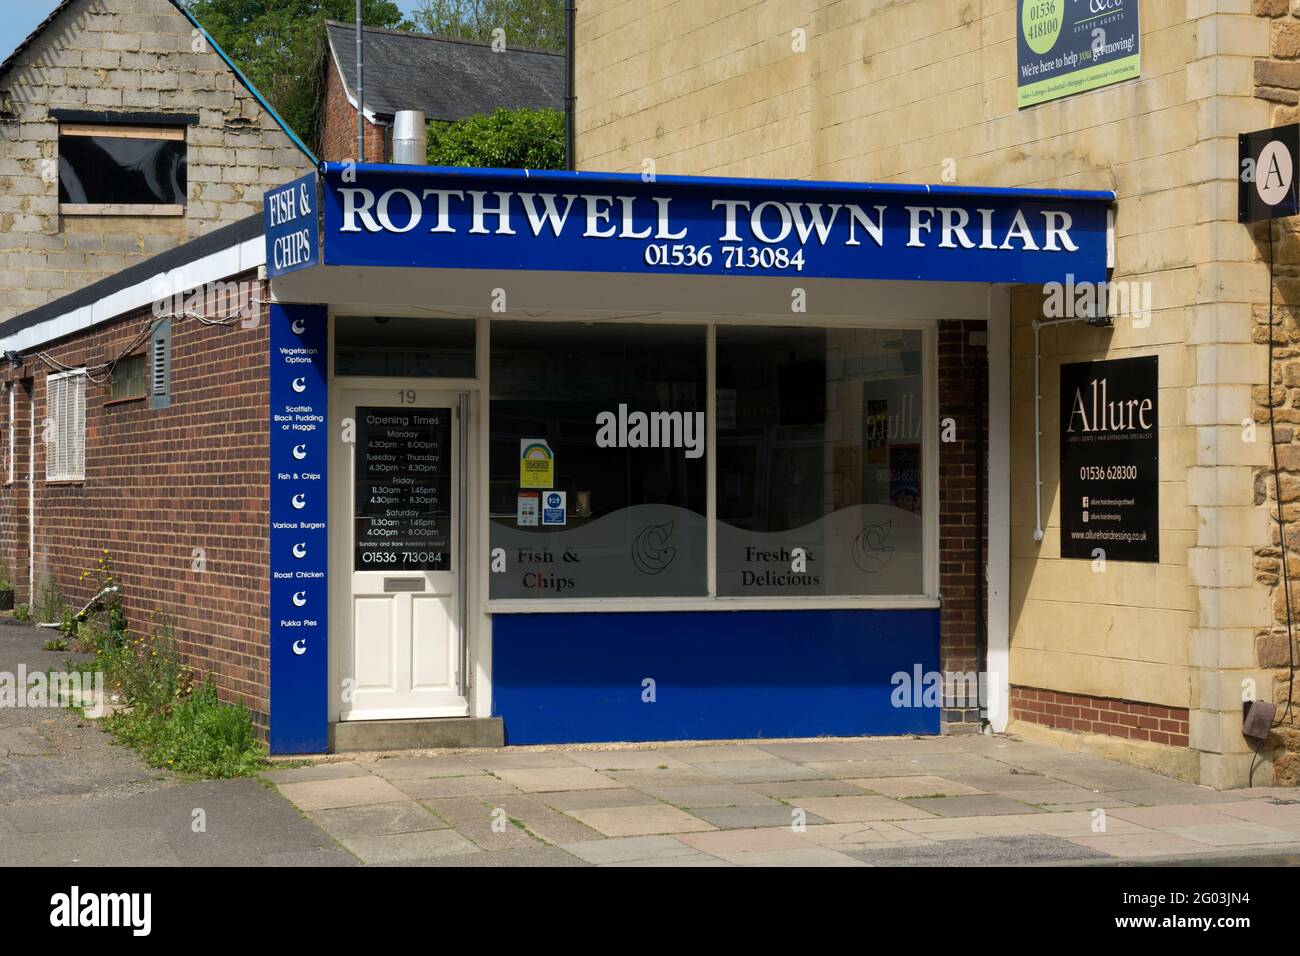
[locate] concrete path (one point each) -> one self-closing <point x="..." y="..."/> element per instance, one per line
<point x="953" y="801"/>
<point x="69" y="796"/>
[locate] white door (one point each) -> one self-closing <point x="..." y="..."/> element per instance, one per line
<point x="402" y="554"/>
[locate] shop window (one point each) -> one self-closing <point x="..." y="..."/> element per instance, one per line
<point x="819" y="462"/>
<point x="109" y="169"/>
<point x="65" y="426"/>
<point x="409" y="347"/>
<point x="130" y="379"/>
<point x="598" y="467"/>
<point x="160" y="365"/>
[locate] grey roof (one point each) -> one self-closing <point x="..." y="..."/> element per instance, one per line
<point x="447" y="79"/>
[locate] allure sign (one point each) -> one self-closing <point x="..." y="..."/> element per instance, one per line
<point x="1093" y="410"/>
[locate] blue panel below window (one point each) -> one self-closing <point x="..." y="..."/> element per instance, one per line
<point x="565" y="678"/>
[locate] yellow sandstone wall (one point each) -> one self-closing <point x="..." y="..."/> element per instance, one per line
<point x="925" y="91"/>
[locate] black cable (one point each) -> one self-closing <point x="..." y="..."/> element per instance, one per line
<point x="1277" y="495"/>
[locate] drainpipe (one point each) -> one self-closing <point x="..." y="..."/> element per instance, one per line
<point x="361" y="91"/>
<point x="1038" y="325"/>
<point x="570" y="85"/>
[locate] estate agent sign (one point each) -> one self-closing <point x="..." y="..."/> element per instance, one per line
<point x="1069" y="46"/>
<point x="1110" y="460"/>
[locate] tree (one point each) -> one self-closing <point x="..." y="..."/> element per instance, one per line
<point x="509" y="139"/>
<point x="532" y="23"/>
<point x="280" y="46"/>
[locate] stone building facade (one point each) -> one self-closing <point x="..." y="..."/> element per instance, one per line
<point x="137" y="62"/>
<point x="1147" y="662"/>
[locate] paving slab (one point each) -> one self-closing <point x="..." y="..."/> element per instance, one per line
<point x="866" y="767"/>
<point x="566" y="800"/>
<point x="341" y="792"/>
<point x="732" y="818"/>
<point x="409" y="848"/>
<point x="950" y="764"/>
<point x="487" y="824"/>
<point x="964" y="828"/>
<point x="1285" y="816"/>
<point x="857" y="809"/>
<point x="977" y="805"/>
<point x="348" y="822"/>
<point x="640" y="821"/>
<point x="608" y="760"/>
<point x="846" y="836"/>
<point x="631" y="850"/>
<point x="714" y="753"/>
<point x="1236" y="833"/>
<point x="1148" y="843"/>
<point x="1006" y="782"/>
<point x="1113" y="777"/>
<point x="919" y="786"/>
<point x="431" y="788"/>
<point x="1073" y="823"/>
<point x="669" y="777"/>
<point x="711" y="795"/>
<point x="320" y="771"/>
<point x="546" y="856"/>
<point x="773" y="770"/>
<point x="546" y="823"/>
<point x="1174" y="793"/>
<point x="806" y="752"/>
<point x="1174" y="815"/>
<point x="726" y="843"/>
<point x="423" y="768"/>
<point x="988" y="851"/>
<point x="494" y="760"/>
<point x="569" y="778"/>
<point x="802" y="857"/>
<point x="790" y="790"/>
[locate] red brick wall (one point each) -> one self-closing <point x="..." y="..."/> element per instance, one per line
<point x="1101" y="715"/>
<point x="963" y="395"/>
<point x="338" y="141"/>
<point x="159" y="484"/>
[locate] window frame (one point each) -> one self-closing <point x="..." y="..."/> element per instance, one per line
<point x="61" y="433"/>
<point x="143" y="357"/>
<point x="124" y="131"/>
<point x="479" y="472"/>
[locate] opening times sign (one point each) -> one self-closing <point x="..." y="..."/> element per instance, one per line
<point x="1110" y="460"/>
<point x="1070" y="46"/>
<point x="403" y="489"/>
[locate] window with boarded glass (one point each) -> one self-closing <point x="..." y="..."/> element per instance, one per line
<point x="103" y="168"/>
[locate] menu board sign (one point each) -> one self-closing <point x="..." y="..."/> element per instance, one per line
<point x="403" y="489"/>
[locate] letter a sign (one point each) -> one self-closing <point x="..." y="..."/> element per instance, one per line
<point x="1267" y="168"/>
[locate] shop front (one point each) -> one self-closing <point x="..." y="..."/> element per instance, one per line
<point x="611" y="457"/>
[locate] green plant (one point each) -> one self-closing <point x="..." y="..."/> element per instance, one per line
<point x="506" y="139"/>
<point x="55" y="644"/>
<point x="23" y="613"/>
<point x="199" y="736"/>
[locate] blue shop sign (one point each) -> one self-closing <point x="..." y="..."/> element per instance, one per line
<point x="290" y="218"/>
<point x="431" y="217"/>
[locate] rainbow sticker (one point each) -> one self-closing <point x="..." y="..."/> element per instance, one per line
<point x="536" y="463"/>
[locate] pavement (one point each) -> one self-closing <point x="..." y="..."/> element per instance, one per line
<point x="69" y="796"/>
